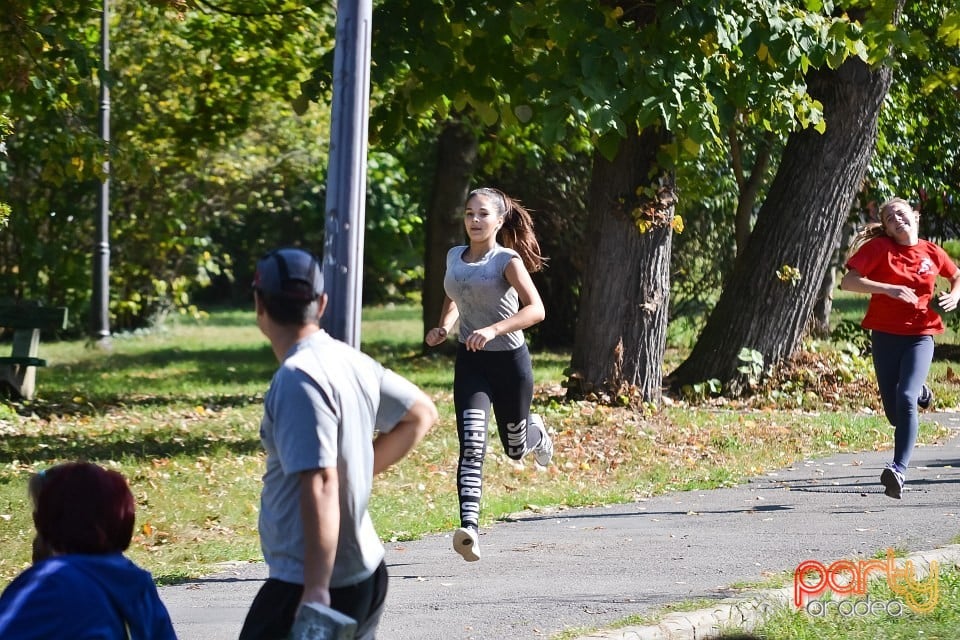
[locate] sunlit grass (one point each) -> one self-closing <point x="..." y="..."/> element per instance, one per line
<point x="890" y="623"/>
<point x="177" y="411"/>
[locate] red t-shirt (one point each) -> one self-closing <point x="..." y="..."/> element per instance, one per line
<point x="917" y="267"/>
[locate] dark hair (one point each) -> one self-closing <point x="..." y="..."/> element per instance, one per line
<point x="40" y="550"/>
<point x="84" y="508"/>
<point x="291" y="311"/>
<point x="517" y="230"/>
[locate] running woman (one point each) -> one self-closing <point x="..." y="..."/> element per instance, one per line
<point x="899" y="270"/>
<point x="489" y="289"/>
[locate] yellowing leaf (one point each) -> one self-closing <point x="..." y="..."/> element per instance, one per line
<point x="677" y="224"/>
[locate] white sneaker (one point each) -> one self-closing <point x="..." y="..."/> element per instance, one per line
<point x="467" y="544"/>
<point x="543" y="452"/>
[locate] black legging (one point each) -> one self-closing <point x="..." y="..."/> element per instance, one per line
<point x="481" y="379"/>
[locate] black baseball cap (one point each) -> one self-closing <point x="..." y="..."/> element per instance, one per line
<point x="289" y="272"/>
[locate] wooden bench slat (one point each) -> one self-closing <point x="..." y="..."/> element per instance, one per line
<point x="29" y="317"/>
<point x="23" y="361"/>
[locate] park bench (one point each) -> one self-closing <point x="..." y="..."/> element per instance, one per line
<point x="18" y="371"/>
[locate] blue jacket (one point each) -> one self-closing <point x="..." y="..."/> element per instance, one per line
<point x="81" y="597"/>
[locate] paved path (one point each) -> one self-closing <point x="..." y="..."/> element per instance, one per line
<point x="587" y="568"/>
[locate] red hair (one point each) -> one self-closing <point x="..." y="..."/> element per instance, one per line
<point x="84" y="508"/>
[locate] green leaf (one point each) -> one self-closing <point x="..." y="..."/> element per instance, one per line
<point x="949" y="30"/>
<point x="488" y="115"/>
<point x="691" y="147"/>
<point x="300" y="104"/>
<point x="609" y="145"/>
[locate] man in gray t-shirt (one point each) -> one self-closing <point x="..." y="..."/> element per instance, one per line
<point x="323" y="407"/>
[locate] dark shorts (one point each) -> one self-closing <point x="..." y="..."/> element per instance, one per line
<point x="272" y="612"/>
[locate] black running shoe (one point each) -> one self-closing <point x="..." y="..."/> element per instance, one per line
<point x="925" y="401"/>
<point x="892" y="481"/>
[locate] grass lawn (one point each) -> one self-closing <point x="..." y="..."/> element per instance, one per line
<point x="177" y="411"/>
<point x="886" y="619"/>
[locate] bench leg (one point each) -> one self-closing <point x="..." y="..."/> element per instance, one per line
<point x="23" y="378"/>
<point x="19" y="381"/>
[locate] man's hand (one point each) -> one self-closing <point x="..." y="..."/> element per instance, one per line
<point x="316" y="594"/>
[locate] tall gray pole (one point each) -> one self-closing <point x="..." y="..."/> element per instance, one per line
<point x="100" y="301"/>
<point x="347" y="171"/>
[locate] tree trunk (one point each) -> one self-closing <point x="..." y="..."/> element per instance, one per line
<point x="456" y="161"/>
<point x="819" y="326"/>
<point x="748" y="186"/>
<point x="765" y="306"/>
<point x="622" y="322"/>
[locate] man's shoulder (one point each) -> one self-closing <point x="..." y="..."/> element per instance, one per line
<point x="325" y="357"/>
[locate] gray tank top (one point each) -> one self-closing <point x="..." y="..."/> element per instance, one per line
<point x="482" y="294"/>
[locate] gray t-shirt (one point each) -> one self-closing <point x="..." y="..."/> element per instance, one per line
<point x="321" y="410"/>
<point x="482" y="294"/>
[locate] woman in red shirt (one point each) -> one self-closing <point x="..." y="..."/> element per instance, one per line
<point x="899" y="270"/>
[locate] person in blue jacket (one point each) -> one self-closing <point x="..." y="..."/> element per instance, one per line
<point x="81" y="585"/>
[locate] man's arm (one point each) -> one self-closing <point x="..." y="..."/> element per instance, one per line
<point x="320" y="512"/>
<point x="390" y="447"/>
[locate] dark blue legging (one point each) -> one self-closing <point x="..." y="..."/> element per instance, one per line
<point x="481" y="379"/>
<point x="901" y="364"/>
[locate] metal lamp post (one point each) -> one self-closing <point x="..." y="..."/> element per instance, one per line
<point x="346" y="173"/>
<point x="100" y="301"/>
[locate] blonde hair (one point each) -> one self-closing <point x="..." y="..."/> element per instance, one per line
<point x="517" y="230"/>
<point x="875" y="229"/>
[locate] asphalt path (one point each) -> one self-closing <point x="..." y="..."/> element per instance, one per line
<point x="587" y="568"/>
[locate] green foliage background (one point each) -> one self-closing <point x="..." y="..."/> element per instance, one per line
<point x="215" y="154"/>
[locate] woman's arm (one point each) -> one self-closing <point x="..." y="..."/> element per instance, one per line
<point x="854" y="281"/>
<point x="949" y="299"/>
<point x="448" y="317"/>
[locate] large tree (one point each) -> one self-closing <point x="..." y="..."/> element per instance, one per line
<point x="659" y="85"/>
<point x="766" y="304"/>
<point x="622" y="324"/>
